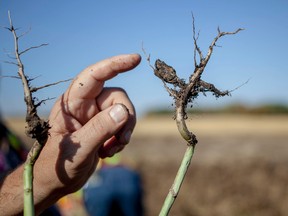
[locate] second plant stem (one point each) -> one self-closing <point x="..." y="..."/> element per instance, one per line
<point x="174" y="190"/>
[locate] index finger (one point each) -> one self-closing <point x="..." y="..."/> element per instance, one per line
<point x="89" y="82"/>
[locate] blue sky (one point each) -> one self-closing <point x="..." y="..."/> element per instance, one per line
<point x="81" y="33"/>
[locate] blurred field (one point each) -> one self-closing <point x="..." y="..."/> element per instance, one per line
<point x="240" y="165"/>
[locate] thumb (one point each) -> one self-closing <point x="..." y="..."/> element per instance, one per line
<point x="102" y="127"/>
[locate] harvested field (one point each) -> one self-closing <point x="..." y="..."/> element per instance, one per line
<point x="240" y="165"/>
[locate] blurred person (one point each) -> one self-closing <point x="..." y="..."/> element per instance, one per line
<point x="113" y="190"/>
<point x="87" y="122"/>
<point x="72" y="204"/>
<point x="12" y="151"/>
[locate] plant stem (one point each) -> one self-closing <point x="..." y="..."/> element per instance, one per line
<point x="184" y="93"/>
<point x="28" y="190"/>
<point x="36" y="127"/>
<point x="28" y="175"/>
<point x="174" y="190"/>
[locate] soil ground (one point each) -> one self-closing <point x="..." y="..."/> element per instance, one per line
<point x="240" y="166"/>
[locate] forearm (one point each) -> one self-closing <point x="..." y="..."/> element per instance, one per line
<point x="11" y="195"/>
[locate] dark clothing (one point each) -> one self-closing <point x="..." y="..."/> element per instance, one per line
<point x="112" y="191"/>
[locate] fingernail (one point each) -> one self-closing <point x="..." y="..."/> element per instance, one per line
<point x="118" y="113"/>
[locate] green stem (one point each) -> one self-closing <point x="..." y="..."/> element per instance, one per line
<point x="28" y="175"/>
<point x="173" y="192"/>
<point x="28" y="190"/>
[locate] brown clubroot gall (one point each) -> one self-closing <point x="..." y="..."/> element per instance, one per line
<point x="167" y="73"/>
<point x="184" y="93"/>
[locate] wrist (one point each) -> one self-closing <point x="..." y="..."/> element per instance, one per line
<point x="45" y="191"/>
<point x="47" y="187"/>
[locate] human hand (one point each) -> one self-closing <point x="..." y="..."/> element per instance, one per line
<point x="87" y="122"/>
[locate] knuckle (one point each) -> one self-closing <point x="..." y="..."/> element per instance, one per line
<point x="118" y="90"/>
<point x="99" y="126"/>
